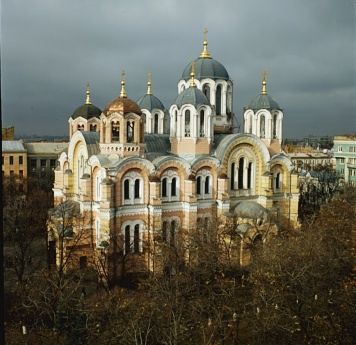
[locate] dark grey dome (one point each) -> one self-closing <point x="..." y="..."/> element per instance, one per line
<point x="263" y="102"/>
<point x="206" y="68"/>
<point x="150" y="102"/>
<point x="193" y="96"/>
<point x="87" y="111"/>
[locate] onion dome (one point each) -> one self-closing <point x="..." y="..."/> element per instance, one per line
<point x="87" y="110"/>
<point x="192" y="95"/>
<point x="206" y="66"/>
<point x="263" y="100"/>
<point x="122" y="104"/>
<point x="149" y="101"/>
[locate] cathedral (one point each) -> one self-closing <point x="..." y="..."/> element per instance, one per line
<point x="138" y="169"/>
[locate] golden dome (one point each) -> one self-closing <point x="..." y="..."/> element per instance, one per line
<point x="122" y="105"/>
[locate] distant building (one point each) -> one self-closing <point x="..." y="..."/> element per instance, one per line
<point x="345" y="155"/>
<point x="310" y="159"/>
<point x="8" y="133"/>
<point x="14" y="160"/>
<point x="42" y="157"/>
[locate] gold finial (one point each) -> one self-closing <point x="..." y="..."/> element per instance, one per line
<point x="264" y="83"/>
<point x="149" y="83"/>
<point x="192" y="75"/>
<point x="87" y="93"/>
<point x="123" y="90"/>
<point x="205" y="53"/>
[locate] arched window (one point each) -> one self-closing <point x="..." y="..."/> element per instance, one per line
<point x="130" y="131"/>
<point x="229" y="100"/>
<point x="92" y="128"/>
<point x="115" y="131"/>
<point x="262" y="126"/>
<point x="187" y="123"/>
<point x="241" y="173"/>
<point x="202" y="121"/>
<point x="250" y="123"/>
<point x="274" y="126"/>
<point x="232" y="176"/>
<point x="164" y="232"/>
<point x="156" y="123"/>
<point x="207" y="185"/>
<point x="80" y="127"/>
<point x="127" y="189"/>
<point x="218" y="100"/>
<point x="164" y="187"/>
<point x="198" y="185"/>
<point x="249" y="175"/>
<point x="127" y="239"/>
<point x="174" y="187"/>
<point x="136" y="241"/>
<point x="137" y="188"/>
<point x="206" y="91"/>
<point x="278" y="180"/>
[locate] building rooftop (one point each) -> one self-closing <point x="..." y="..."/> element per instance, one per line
<point x="46" y="147"/>
<point x="13" y="146"/>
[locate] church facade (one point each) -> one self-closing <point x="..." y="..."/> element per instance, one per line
<point x="137" y="169"/>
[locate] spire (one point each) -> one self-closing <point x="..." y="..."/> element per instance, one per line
<point x="205" y="53"/>
<point x="149" y="84"/>
<point x="87" y="95"/>
<point x="192" y="75"/>
<point x="123" y="90"/>
<point x="264" y="83"/>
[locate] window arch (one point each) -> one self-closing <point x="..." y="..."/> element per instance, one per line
<point x="93" y="127"/>
<point x="187" y="123"/>
<point x="277" y="179"/>
<point x="170" y="186"/>
<point x="80" y="127"/>
<point x="202" y="123"/>
<point x="132" y="188"/>
<point x="204" y="184"/>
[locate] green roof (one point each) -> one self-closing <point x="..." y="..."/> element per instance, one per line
<point x="206" y="68"/>
<point x="150" y="102"/>
<point x="87" y="111"/>
<point x="193" y="96"/>
<point x="263" y="102"/>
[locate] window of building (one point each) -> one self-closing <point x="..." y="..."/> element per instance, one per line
<point x="156" y="117"/>
<point x="132" y="188"/>
<point x="127" y="239"/>
<point x="262" y="126"/>
<point x="133" y="237"/>
<point x="187" y="123"/>
<point x="83" y="262"/>
<point x="136" y="243"/>
<point x="339" y="148"/>
<point x="170" y="186"/>
<point x="43" y="163"/>
<point x="202" y="122"/>
<point x="169" y="231"/>
<point x="53" y="163"/>
<point x="127" y="189"/>
<point x="92" y="128"/>
<point x="21" y="173"/>
<point x="130" y="131"/>
<point x="203" y="184"/>
<point x="218" y="100"/>
<point x="11" y="160"/>
<point x="115" y="131"/>
<point x="198" y="185"/>
<point x="137" y="188"/>
<point x="232" y="176"/>
<point x="20" y="160"/>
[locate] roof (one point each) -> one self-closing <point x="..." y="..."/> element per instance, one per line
<point x="87" y="111"/>
<point x="150" y="102"/>
<point x="206" y="68"/>
<point x="122" y="105"/>
<point x="49" y="148"/>
<point x="157" y="145"/>
<point x="13" y="146"/>
<point x="92" y="142"/>
<point x="192" y="95"/>
<point x="250" y="209"/>
<point x="263" y="102"/>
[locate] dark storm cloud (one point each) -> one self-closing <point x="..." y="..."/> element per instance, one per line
<point x="51" y="48"/>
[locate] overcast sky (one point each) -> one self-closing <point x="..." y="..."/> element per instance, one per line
<point x="50" y="49"/>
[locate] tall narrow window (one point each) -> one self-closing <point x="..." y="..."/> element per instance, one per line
<point x="232" y="177"/>
<point x="164" y="187"/>
<point x="198" y="185"/>
<point x="164" y="232"/>
<point x="172" y="239"/>
<point x="250" y="124"/>
<point x="262" y="126"/>
<point x="187" y="123"/>
<point x="137" y="188"/>
<point x="174" y="187"/>
<point x="115" y="131"/>
<point x="127" y="189"/>
<point x="278" y="181"/>
<point x="249" y="176"/>
<point x="207" y="185"/>
<point x="156" y="123"/>
<point x="11" y="160"/>
<point x="127" y="239"/>
<point x="241" y="173"/>
<point x="218" y="100"/>
<point x="137" y="239"/>
<point x="20" y="160"/>
<point x="206" y="91"/>
<point x="130" y="131"/>
<point x="274" y="126"/>
<point x="202" y="121"/>
<point x="92" y="128"/>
